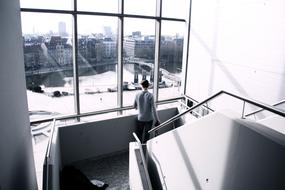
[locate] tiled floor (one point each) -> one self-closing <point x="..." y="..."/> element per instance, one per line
<point x="113" y="170"/>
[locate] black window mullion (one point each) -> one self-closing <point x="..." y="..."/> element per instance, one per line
<point x="75" y="62"/>
<point x="157" y="48"/>
<point x="120" y="55"/>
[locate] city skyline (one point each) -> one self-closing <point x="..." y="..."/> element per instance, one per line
<point x="44" y="23"/>
<point x="48" y="54"/>
<point x="40" y="22"/>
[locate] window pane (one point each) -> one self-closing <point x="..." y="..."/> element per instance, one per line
<point x="139" y="7"/>
<point x="175" y="9"/>
<point x="109" y="6"/>
<point x="139" y="40"/>
<point x="171" y="50"/>
<point x="97" y="62"/>
<point x="48" y="62"/>
<point x="47" y="4"/>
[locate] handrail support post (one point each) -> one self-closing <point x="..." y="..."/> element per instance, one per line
<point x="243" y="108"/>
<point x="250" y="101"/>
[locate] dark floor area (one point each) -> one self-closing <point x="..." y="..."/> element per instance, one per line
<point x="113" y="170"/>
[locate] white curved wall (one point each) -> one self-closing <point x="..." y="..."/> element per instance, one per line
<point x="219" y="152"/>
<point x="17" y="170"/>
<point x="237" y="46"/>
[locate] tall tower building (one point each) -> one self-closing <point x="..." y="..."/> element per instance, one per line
<point x="62" y="29"/>
<point x="108" y="31"/>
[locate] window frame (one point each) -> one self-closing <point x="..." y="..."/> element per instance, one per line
<point x="121" y="15"/>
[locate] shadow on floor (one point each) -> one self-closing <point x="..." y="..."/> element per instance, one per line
<point x="113" y="170"/>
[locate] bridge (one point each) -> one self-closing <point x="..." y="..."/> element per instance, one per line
<point x="142" y="64"/>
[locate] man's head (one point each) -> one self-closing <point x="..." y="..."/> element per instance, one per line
<point x="145" y="83"/>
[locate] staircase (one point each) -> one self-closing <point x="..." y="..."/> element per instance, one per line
<point x="221" y="150"/>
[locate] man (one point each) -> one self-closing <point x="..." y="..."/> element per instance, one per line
<point x="147" y="113"/>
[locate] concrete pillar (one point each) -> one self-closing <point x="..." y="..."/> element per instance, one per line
<point x="160" y="76"/>
<point x="136" y="77"/>
<point x="151" y="76"/>
<point x="143" y="75"/>
<point x="17" y="169"/>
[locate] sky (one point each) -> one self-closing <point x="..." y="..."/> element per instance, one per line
<point x="44" y="22"/>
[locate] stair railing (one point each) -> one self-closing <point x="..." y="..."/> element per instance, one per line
<point x="72" y="116"/>
<point x="149" y="186"/>
<point x="47" y="171"/>
<point x="205" y="108"/>
<point x="260" y="110"/>
<point x="248" y="100"/>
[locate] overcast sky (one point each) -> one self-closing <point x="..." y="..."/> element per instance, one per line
<point x="43" y="23"/>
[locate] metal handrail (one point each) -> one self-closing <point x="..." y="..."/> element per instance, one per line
<point x="187" y="107"/>
<point x="259" y="110"/>
<point x="99" y="112"/>
<point x="192" y="99"/>
<point x="80" y="115"/>
<point x="89" y="114"/>
<point x="251" y="101"/>
<point x="50" y="139"/>
<point x="143" y="161"/>
<point x="47" y="158"/>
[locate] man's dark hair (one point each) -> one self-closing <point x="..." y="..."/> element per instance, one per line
<point x="145" y="83"/>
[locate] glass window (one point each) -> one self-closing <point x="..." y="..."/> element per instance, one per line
<point x="48" y="63"/>
<point x="109" y="6"/>
<point x="97" y="62"/>
<point x="139" y="7"/>
<point x="47" y="4"/>
<point x="170" y="66"/>
<point x="175" y="9"/>
<point x="48" y="52"/>
<point x="139" y="41"/>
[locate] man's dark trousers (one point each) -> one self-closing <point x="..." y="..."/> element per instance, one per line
<point x="142" y="130"/>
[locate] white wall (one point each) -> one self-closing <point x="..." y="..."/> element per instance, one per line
<point x="17" y="170"/>
<point x="219" y="152"/>
<point x="238" y="46"/>
<point x="100" y="138"/>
